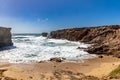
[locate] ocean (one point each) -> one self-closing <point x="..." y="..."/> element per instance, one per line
<point x="35" y="48"/>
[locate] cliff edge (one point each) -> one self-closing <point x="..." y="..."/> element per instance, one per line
<point x="106" y="39"/>
<point x="5" y="37"/>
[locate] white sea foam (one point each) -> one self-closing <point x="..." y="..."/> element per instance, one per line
<point x="35" y="49"/>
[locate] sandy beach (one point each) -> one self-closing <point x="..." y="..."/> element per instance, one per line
<point x="98" y="67"/>
<point x="59" y="40"/>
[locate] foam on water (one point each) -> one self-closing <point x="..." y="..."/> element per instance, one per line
<point x="30" y="48"/>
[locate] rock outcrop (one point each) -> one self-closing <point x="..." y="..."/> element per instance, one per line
<point x="56" y="59"/>
<point x="44" y="34"/>
<point x="106" y="39"/>
<point x="5" y="37"/>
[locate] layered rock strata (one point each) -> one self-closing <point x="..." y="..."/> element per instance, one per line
<point x="106" y="39"/>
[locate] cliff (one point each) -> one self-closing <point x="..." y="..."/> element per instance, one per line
<point x="5" y="37"/>
<point x="106" y="39"/>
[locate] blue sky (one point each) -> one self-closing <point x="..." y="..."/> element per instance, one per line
<point x="36" y="16"/>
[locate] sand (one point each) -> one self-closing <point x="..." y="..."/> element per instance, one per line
<point x="98" y="67"/>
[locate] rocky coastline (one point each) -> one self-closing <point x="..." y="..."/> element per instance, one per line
<point x="5" y="37"/>
<point x="105" y="38"/>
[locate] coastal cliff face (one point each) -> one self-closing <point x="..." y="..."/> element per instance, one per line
<point x="106" y="39"/>
<point x="5" y="37"/>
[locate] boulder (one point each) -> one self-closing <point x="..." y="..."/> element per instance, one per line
<point x="44" y="34"/>
<point x="100" y="56"/>
<point x="56" y="59"/>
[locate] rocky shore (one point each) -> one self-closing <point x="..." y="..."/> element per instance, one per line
<point x="5" y="37"/>
<point x="105" y="38"/>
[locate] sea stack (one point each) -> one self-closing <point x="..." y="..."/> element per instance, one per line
<point x="44" y="34"/>
<point x="5" y="37"/>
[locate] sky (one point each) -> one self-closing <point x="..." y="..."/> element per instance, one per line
<point x="36" y="16"/>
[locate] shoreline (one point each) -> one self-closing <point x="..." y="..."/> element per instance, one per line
<point x="98" y="67"/>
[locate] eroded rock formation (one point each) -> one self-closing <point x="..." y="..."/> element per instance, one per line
<point x="44" y="34"/>
<point x="106" y="39"/>
<point x="5" y="37"/>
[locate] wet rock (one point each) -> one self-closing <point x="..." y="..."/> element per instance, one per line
<point x="101" y="49"/>
<point x="44" y="34"/>
<point x="81" y="48"/>
<point x="56" y="59"/>
<point x="100" y="56"/>
<point x="63" y="58"/>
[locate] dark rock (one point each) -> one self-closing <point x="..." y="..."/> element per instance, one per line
<point x="41" y="61"/>
<point x="44" y="34"/>
<point x="63" y="58"/>
<point x="56" y="59"/>
<point x="101" y="49"/>
<point x="100" y="56"/>
<point x="5" y="37"/>
<point x="81" y="48"/>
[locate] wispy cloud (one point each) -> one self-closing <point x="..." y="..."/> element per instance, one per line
<point x="42" y="20"/>
<point x="22" y="26"/>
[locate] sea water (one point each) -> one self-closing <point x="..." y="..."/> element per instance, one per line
<point x="34" y="48"/>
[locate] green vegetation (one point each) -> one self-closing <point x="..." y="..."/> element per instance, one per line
<point x="116" y="71"/>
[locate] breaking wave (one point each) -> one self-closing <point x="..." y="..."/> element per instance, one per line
<point x="35" y="48"/>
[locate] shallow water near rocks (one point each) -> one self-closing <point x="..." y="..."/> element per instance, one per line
<point x="35" y="48"/>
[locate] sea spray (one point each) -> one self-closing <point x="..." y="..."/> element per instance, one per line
<point x="35" y="48"/>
